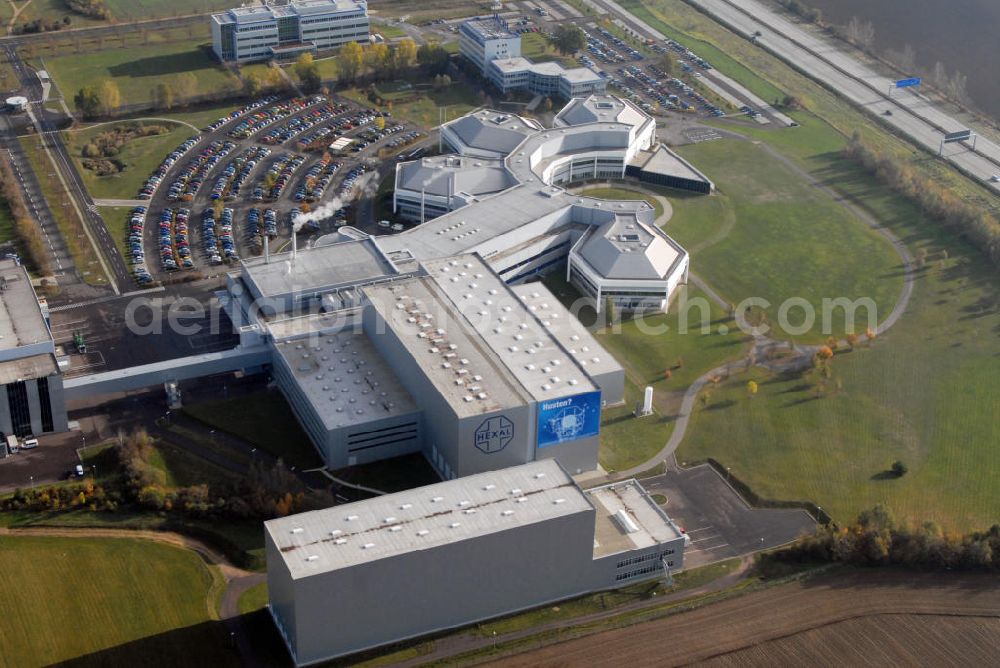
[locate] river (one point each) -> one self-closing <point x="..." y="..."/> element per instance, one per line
<point x="964" y="35"/>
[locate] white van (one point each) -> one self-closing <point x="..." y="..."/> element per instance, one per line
<point x="30" y="444"/>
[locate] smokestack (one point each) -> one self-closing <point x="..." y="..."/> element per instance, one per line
<point x="295" y="245"/>
<point x="267" y="249"/>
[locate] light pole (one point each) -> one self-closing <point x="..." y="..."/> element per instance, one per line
<point x="31" y="480"/>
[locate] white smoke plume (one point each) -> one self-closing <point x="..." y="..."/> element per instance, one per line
<point x="319" y="213"/>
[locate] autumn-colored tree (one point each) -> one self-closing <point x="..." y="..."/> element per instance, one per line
<point x="350" y="59"/>
<point x="752" y="387"/>
<point x="871" y="334"/>
<point x="378" y="59"/>
<point x="111" y="97"/>
<point x="824" y="352"/>
<point x="852" y="340"/>
<point x="307" y="72"/>
<point x="679" y="364"/>
<point x="406" y="53"/>
<point x="668" y="374"/>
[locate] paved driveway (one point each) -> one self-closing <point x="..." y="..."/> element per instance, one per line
<point x="720" y="523"/>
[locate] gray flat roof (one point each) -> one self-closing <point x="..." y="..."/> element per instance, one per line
<point x="625" y="249"/>
<point x="27" y="368"/>
<point x="509" y="327"/>
<point x="490" y="28"/>
<point x="467" y="374"/>
<point x="21" y="321"/>
<point x="569" y="331"/>
<point x="345" y="379"/>
<point x="450" y="175"/>
<point x="323" y="268"/>
<point x="662" y="160"/>
<point x="259" y="13"/>
<point x="490" y="130"/>
<point x="647" y="525"/>
<point x="597" y="108"/>
<point x="421" y="519"/>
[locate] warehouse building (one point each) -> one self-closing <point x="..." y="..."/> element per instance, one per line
<point x="31" y="384"/>
<point x="284" y="32"/>
<point x="361" y="575"/>
<point x="490" y="45"/>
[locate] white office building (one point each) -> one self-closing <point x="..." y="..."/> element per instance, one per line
<point x="495" y="50"/>
<point x="283" y="32"/>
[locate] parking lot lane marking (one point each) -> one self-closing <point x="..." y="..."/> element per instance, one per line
<point x="701" y="529"/>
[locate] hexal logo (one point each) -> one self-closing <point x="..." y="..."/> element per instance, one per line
<point x="494" y="434"/>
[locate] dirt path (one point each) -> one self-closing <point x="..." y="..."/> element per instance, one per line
<point x="17" y="12"/>
<point x="753" y="620"/>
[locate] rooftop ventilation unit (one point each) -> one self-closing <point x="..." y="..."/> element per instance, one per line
<point x="626" y="522"/>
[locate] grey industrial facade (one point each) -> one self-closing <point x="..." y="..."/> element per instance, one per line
<point x="361" y="575"/>
<point x="31" y="384"/>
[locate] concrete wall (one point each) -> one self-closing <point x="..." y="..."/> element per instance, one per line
<point x="422" y="591"/>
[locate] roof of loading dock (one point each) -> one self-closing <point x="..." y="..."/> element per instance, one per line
<point x="462" y="509"/>
<point x="628" y="519"/>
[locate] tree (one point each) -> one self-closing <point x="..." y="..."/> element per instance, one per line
<point x="433" y="57"/>
<point x="668" y="374"/>
<point x="350" y="59"/>
<point x="547" y="105"/>
<point x="111" y="97"/>
<point x="163" y="96"/>
<point x="852" y="340"/>
<point x="899" y="469"/>
<point x="406" y="53"/>
<point x="752" y="387"/>
<point x="666" y="63"/>
<point x="87" y="101"/>
<point x="307" y="71"/>
<point x="824" y="353"/>
<point x="252" y="84"/>
<point x="860" y="34"/>
<point x="568" y="38"/>
<point x="378" y="59"/>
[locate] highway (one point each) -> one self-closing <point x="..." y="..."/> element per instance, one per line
<point x="911" y="113"/>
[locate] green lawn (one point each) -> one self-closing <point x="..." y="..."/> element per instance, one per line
<point x="388" y="31"/>
<point x="116" y="218"/>
<point x="788" y="240"/>
<point x="140" y="157"/>
<point x="264" y="419"/>
<point x="135" y="10"/>
<point x="137" y="70"/>
<point x="623" y="194"/>
<point x="253" y="599"/>
<point x="69" y="223"/>
<point x="536" y="46"/>
<point x="105" y="602"/>
<point x="456" y="100"/>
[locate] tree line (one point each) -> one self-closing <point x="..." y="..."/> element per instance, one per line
<point x="27" y="231"/>
<point x="876" y="539"/>
<point x="972" y="222"/>
<point x="267" y="491"/>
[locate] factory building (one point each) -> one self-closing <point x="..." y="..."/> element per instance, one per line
<point x="490" y="45"/>
<point x="285" y="31"/>
<point x="31" y="384"/>
<point x="361" y="575"/>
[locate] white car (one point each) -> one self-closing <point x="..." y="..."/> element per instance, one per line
<point x="995" y="178"/>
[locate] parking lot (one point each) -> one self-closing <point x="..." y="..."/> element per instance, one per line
<point x="218" y="196"/>
<point x="54" y="459"/>
<point x="721" y="525"/>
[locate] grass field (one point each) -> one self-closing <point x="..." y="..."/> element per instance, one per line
<point x="253" y="599"/>
<point x="456" y="100"/>
<point x="105" y="602"/>
<point x="136" y="10"/>
<point x="623" y="194"/>
<point x="116" y="220"/>
<point x="263" y="419"/>
<point x="137" y="70"/>
<point x="140" y="157"/>
<point x="788" y="239"/>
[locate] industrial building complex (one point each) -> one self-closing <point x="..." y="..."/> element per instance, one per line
<point x="491" y="46"/>
<point x="438" y="341"/>
<point x="361" y="575"/>
<point x="284" y="31"/>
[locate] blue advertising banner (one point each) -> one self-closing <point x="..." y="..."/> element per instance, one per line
<point x="908" y="83"/>
<point x="569" y="418"/>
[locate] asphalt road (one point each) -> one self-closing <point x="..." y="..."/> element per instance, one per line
<point x="912" y="114"/>
<point x="721" y="525"/>
<point x="31" y="88"/>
